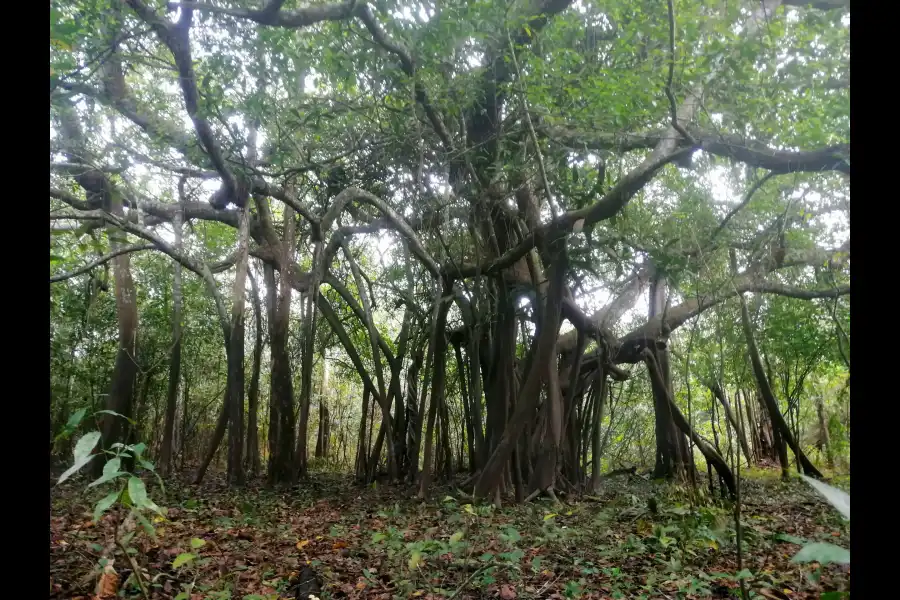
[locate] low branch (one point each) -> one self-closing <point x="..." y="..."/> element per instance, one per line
<point x="101" y="260"/>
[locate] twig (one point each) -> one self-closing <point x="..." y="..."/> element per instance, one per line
<point x="468" y="579"/>
<point x="528" y="123"/>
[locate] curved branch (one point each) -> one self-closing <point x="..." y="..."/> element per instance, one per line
<point x="271" y="14"/>
<point x="101" y="260"/>
<point x="353" y="193"/>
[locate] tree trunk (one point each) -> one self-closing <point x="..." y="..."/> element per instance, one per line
<point x="253" y="462"/>
<point x="717" y="391"/>
<point x="165" y="455"/>
<point x="672" y="455"/>
<point x="597" y="420"/>
<point x="437" y="389"/>
<point x="121" y="390"/>
<point x="539" y="371"/>
<point x="281" y="400"/>
<point x="236" y="357"/>
<point x="779" y="426"/>
<point x="824" y="436"/>
<point x="710" y="453"/>
<point x="307" y="337"/>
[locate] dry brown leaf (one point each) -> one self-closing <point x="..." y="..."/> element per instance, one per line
<point x="507" y="592"/>
<point x="108" y="585"/>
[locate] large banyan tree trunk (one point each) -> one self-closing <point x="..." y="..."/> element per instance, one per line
<point x="539" y="372"/>
<point x="281" y="398"/>
<point x="672" y="453"/>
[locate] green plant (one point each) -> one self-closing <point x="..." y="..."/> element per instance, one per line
<point x="132" y="494"/>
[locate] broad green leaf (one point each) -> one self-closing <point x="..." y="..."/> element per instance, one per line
<point x="137" y="491"/>
<point x="103" y="505"/>
<point x="549" y="516"/>
<point x="75" y="420"/>
<point x="197" y="543"/>
<point x="182" y="559"/>
<point x="415" y="560"/>
<point x="74" y="468"/>
<point x="822" y="552"/>
<point x="139" y="448"/>
<point x="86" y="445"/>
<point x="456" y="537"/>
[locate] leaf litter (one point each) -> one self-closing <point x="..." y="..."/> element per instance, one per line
<point x="634" y="539"/>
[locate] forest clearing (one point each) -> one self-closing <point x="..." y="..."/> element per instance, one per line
<point x="449" y="299"/>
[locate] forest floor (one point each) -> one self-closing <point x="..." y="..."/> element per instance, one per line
<point x="377" y="542"/>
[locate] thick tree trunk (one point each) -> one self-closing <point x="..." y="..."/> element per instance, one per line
<point x="539" y="372"/>
<point x="165" y="455"/>
<point x="236" y="357"/>
<point x="121" y="390"/>
<point x="281" y="395"/>
<point x="672" y="454"/>
<point x="253" y="461"/>
<point x="779" y="426"/>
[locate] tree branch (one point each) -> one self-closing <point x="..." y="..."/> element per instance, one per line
<point x="101" y="260"/>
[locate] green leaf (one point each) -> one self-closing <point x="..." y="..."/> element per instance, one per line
<point x="137" y="491"/>
<point x="197" y="543"/>
<point x="784" y="537"/>
<point x="86" y="445"/>
<point x="148" y="526"/>
<point x="182" y="559"/>
<point x="139" y="448"/>
<point x="415" y="560"/>
<point x="103" y="505"/>
<point x="743" y="574"/>
<point x="182" y="596"/>
<point x="456" y="537"/>
<point x="74" y="468"/>
<point x="75" y="420"/>
<point x="113" y="413"/>
<point x="822" y="552"/>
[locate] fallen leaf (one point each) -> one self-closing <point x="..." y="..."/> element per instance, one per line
<point x="302" y="544"/>
<point x="507" y="592"/>
<point x="108" y="585"/>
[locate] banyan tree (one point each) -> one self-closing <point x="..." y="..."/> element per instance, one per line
<point x="496" y="213"/>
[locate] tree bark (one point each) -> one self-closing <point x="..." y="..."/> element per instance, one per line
<point x="437" y="388"/>
<point x="165" y="457"/>
<point x="539" y="371"/>
<point x="779" y="426"/>
<point x="717" y="391"/>
<point x="710" y="453"/>
<point x="236" y="357"/>
<point x="253" y="461"/>
<point x="597" y="420"/>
